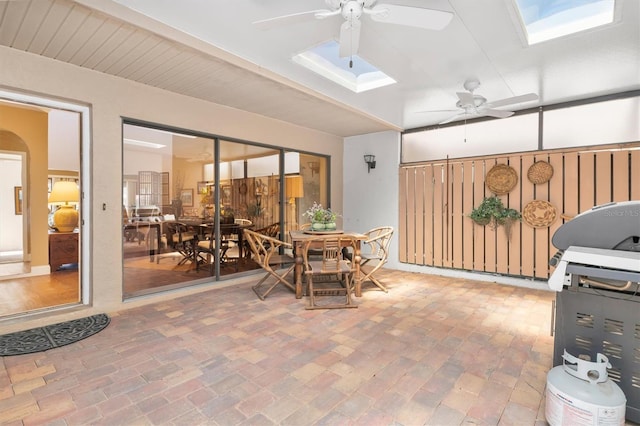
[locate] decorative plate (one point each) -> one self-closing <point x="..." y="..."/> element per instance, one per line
<point x="539" y="214"/>
<point x="501" y="179"/>
<point x="540" y="172"/>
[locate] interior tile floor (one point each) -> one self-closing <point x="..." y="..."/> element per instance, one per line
<point x="434" y="351"/>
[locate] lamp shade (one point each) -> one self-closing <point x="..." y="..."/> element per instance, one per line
<point x="64" y="192"/>
<point x="65" y="219"/>
<point x="294" y="187"/>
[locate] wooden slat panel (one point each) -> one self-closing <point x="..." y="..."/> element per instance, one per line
<point x="603" y="178"/>
<point x="438" y="223"/>
<point x="502" y="245"/>
<point x="541" y="254"/>
<point x="556" y="195"/>
<point x="526" y="232"/>
<point x="467" y="224"/>
<point x="635" y="175"/>
<point x="421" y="235"/>
<point x="490" y="233"/>
<point x="478" y="231"/>
<point x="402" y="215"/>
<point x="570" y="179"/>
<point x="586" y="184"/>
<point x="621" y="176"/>
<point x="513" y="251"/>
<point x="457" y="238"/>
<point x="428" y="215"/>
<point x="502" y="236"/>
<point x="447" y="223"/>
<point x="411" y="216"/>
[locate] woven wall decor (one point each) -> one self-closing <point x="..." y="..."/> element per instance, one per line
<point x="501" y="179"/>
<point x="540" y="172"/>
<point x="539" y="214"/>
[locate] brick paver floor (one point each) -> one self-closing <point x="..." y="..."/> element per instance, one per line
<point x="432" y="351"/>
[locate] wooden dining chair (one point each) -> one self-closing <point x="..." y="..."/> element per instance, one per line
<point x="180" y="239"/>
<point x="375" y="251"/>
<point x="207" y="252"/>
<point x="266" y="253"/>
<point x="330" y="277"/>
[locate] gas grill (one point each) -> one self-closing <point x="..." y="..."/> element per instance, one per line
<point x="597" y="279"/>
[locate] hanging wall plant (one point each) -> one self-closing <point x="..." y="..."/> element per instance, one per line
<point x="493" y="213"/>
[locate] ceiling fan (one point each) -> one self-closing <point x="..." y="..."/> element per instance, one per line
<point x="352" y="10"/>
<point x="202" y="157"/>
<point x="473" y="105"/>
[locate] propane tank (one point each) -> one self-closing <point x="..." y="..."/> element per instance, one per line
<point x="580" y="393"/>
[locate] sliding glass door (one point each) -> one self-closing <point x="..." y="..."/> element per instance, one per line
<point x="187" y="198"/>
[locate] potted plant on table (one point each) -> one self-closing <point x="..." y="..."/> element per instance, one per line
<point x="321" y="218"/>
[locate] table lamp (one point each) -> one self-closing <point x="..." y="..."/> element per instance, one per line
<point x="65" y="219"/>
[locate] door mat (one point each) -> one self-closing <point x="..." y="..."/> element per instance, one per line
<point x="51" y="336"/>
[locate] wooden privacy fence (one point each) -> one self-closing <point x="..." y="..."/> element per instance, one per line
<point x="437" y="197"/>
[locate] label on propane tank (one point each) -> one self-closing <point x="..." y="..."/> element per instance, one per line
<point x="562" y="409"/>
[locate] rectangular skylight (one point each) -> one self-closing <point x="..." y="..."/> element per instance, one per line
<point x="545" y="20"/>
<point x="325" y="60"/>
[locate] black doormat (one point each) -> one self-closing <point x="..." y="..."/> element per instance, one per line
<point x="51" y="336"/>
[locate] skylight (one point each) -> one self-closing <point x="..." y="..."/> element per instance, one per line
<point x="325" y="60"/>
<point x="548" y="19"/>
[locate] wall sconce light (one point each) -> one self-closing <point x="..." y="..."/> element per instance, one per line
<point x="314" y="166"/>
<point x="371" y="162"/>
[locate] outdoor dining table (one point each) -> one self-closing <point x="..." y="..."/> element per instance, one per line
<point x="299" y="238"/>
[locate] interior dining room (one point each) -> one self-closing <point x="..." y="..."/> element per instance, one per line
<point x="177" y="186"/>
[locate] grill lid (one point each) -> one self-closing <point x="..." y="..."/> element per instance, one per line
<point x="613" y="226"/>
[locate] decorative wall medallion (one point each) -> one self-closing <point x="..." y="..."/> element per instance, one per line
<point x="539" y="214"/>
<point x="540" y="172"/>
<point x="501" y="179"/>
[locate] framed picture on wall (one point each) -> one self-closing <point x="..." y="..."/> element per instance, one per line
<point x="226" y="195"/>
<point x="17" y="195"/>
<point x="203" y="188"/>
<point x="186" y="195"/>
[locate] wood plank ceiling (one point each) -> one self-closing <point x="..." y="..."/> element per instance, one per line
<point x="70" y="32"/>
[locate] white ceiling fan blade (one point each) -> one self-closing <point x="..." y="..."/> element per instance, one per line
<point x="497" y="113"/>
<point x="466" y="99"/>
<point x="513" y="100"/>
<point x="349" y="38"/>
<point x="437" y="110"/>
<point x="453" y="118"/>
<point x="430" y="19"/>
<point x="268" y="23"/>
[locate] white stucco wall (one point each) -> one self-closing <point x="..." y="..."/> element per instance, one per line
<point x="371" y="199"/>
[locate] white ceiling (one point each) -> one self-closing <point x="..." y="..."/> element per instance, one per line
<point x="222" y="57"/>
